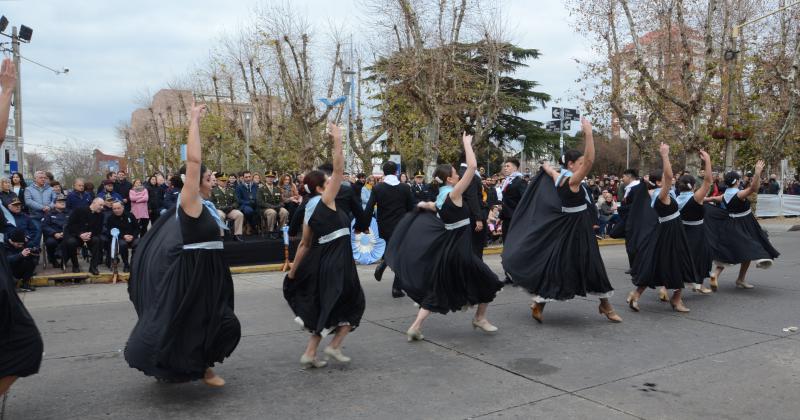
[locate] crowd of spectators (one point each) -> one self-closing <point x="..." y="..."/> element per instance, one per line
<point x="75" y="221"/>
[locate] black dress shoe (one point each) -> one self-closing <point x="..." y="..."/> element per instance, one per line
<point x="628" y="271"/>
<point x="397" y="293"/>
<point x="26" y="287"/>
<point x="379" y="270"/>
<point x="94" y="271"/>
<point x="76" y="269"/>
<point x="238" y="238"/>
<point x="126" y="269"/>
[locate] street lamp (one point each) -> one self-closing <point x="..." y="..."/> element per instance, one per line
<point x="247" y="116"/>
<point x="635" y="123"/>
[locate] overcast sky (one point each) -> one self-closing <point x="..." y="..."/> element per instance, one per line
<point x="116" y="50"/>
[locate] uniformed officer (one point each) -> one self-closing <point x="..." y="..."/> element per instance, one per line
<point x="224" y="198"/>
<point x="420" y="189"/>
<point x="268" y="200"/>
<point x="53" y="229"/>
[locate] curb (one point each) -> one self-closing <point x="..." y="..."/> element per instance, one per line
<point x="105" y="278"/>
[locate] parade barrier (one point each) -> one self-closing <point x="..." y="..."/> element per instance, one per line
<point x="777" y="205"/>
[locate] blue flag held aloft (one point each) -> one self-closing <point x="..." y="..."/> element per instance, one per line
<point x="332" y="103"/>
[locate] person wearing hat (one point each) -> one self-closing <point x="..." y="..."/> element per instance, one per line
<point x="23" y="221"/>
<point x="108" y="195"/>
<point x="268" y="200"/>
<point x="22" y="258"/>
<point x="420" y="189"/>
<point x="223" y="195"/>
<point x="53" y="229"/>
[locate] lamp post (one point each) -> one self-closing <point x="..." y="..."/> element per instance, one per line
<point x="635" y="123"/>
<point x="731" y="54"/>
<point x="247" y="116"/>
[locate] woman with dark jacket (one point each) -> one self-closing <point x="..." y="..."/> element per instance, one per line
<point x="6" y="193"/>
<point x="155" y="196"/>
<point x="18" y="185"/>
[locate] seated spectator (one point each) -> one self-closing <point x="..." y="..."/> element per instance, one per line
<point x="224" y="199"/>
<point x="85" y="228"/>
<point x="89" y="188"/>
<point x="110" y="176"/>
<point x="257" y="180"/>
<point x="607" y="216"/>
<point x="78" y="197"/>
<point x="23" y="222"/>
<point x="109" y="196"/>
<point x="128" y="232"/>
<point x="6" y="193"/>
<point x="290" y="198"/>
<point x="53" y="230"/>
<point x="268" y="201"/>
<point x="138" y="202"/>
<point x="39" y="199"/>
<point x="22" y="259"/>
<point x="246" y="193"/>
<point x="171" y="195"/>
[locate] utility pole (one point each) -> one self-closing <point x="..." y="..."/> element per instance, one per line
<point x="17" y="101"/>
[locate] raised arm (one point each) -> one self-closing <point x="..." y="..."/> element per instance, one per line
<point x="190" y="193"/>
<point x="552" y="173"/>
<point x="754" y="181"/>
<point x="329" y="196"/>
<point x="472" y="164"/>
<point x="702" y="192"/>
<point x="8" y="82"/>
<point x="588" y="156"/>
<point x="666" y="176"/>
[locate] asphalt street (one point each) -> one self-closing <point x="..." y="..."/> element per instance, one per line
<point x="727" y="359"/>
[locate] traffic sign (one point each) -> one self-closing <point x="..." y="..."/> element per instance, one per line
<point x="569" y="114"/>
<point x="552" y="126"/>
<point x="556" y="113"/>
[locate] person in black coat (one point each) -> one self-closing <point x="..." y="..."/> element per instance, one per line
<point x="421" y="190"/>
<point x="85" y="226"/>
<point x="128" y="232"/>
<point x="473" y="197"/>
<point x="393" y="199"/>
<point x="155" y="196"/>
<point x="123" y="187"/>
<point x="22" y="258"/>
<point x="53" y="229"/>
<point x="513" y="187"/>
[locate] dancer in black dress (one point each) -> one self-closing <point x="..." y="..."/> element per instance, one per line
<point x="431" y="250"/>
<point x="20" y="342"/>
<point x="735" y="237"/>
<point x="662" y="258"/>
<point x="551" y="249"/>
<point x="181" y="285"/>
<point x="690" y="203"/>
<point x="322" y="287"/>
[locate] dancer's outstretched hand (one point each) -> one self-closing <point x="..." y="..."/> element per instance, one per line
<point x="760" y="166"/>
<point x="664" y="149"/>
<point x="466" y="138"/>
<point x="334" y="130"/>
<point x="704" y="156"/>
<point x="8" y="75"/>
<point x="586" y="125"/>
<point x="197" y="111"/>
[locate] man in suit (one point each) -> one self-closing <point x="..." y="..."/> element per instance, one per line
<point x="473" y="198"/>
<point x="128" y="232"/>
<point x="246" y="193"/>
<point x="85" y="226"/>
<point x="393" y="200"/>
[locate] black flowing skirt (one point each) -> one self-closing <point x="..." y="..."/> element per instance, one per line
<point x="734" y="240"/>
<point x="186" y="319"/>
<point x="665" y="259"/>
<point x="701" y="253"/>
<point x="437" y="267"/>
<point x="326" y="292"/>
<point x="550" y="253"/>
<point x="20" y="342"/>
